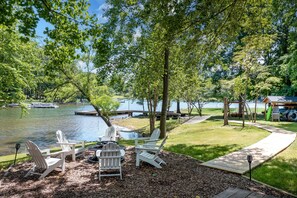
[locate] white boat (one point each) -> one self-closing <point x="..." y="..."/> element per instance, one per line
<point x="42" y="105"/>
<point x="13" y="105"/>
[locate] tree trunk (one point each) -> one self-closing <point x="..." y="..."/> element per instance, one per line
<point x="255" y="115"/>
<point x="104" y="118"/>
<point x="178" y="106"/>
<point x="168" y="105"/>
<point x="199" y="109"/>
<point x="165" y="94"/>
<point x="226" y="108"/>
<point x="242" y="108"/>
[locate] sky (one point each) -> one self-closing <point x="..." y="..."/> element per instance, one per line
<point x="96" y="8"/>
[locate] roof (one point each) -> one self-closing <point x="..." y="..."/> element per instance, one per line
<point x="280" y="99"/>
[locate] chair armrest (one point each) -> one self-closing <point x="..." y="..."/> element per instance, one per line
<point x="103" y="136"/>
<point x="147" y="148"/>
<point x="66" y="143"/>
<point x="109" y="157"/>
<point x="61" y="153"/>
<point x="82" y="142"/>
<point x="144" y="138"/>
<point x="76" y="141"/>
<point x="154" y="140"/>
<point x="47" y="151"/>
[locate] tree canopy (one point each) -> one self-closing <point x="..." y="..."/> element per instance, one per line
<point x="192" y="51"/>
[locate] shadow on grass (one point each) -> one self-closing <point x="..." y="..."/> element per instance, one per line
<point x="291" y="126"/>
<point x="220" y="117"/>
<point x="203" y="152"/>
<point x="278" y="172"/>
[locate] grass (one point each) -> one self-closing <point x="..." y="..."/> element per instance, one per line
<point x="142" y="124"/>
<point x="133" y="123"/>
<point x="209" y="139"/>
<point x="280" y="171"/>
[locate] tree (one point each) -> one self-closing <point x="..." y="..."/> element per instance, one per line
<point x="204" y="23"/>
<point x="18" y="61"/>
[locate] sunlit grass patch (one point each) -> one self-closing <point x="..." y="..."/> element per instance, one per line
<point x="210" y="139"/>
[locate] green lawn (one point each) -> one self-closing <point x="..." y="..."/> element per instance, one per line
<point x="280" y="171"/>
<point x="142" y="124"/>
<point x="209" y="139"/>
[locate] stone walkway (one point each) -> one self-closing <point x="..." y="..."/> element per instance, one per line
<point x="197" y="119"/>
<point x="236" y="162"/>
<point x="239" y="193"/>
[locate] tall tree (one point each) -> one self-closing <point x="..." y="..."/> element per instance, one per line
<point x="171" y="20"/>
<point x="18" y="61"/>
<point x="74" y="30"/>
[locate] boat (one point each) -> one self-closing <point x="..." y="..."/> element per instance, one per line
<point x="13" y="105"/>
<point x="42" y="105"/>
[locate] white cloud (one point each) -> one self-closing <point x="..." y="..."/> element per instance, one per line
<point x="103" y="7"/>
<point x="82" y="65"/>
<point x="100" y="11"/>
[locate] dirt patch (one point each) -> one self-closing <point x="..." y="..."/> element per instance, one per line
<point x="182" y="177"/>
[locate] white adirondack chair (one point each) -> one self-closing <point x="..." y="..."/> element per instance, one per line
<point x="149" y="141"/>
<point x="45" y="163"/>
<point x="109" y="159"/>
<point x="150" y="154"/>
<point x="69" y="147"/>
<point x="110" y="135"/>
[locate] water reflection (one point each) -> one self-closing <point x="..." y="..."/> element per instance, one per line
<point x="40" y="126"/>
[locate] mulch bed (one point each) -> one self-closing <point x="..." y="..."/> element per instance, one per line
<point x="182" y="177"/>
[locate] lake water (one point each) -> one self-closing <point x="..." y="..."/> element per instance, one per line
<point x="40" y="125"/>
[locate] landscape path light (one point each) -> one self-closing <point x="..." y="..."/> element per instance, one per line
<point x="250" y="159"/>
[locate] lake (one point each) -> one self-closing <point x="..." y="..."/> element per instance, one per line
<point x="40" y="125"/>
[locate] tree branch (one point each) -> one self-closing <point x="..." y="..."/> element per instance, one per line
<point x="44" y="2"/>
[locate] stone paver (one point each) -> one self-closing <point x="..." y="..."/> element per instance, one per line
<point x="197" y="119"/>
<point x="236" y="162"/>
<point x="239" y="193"/>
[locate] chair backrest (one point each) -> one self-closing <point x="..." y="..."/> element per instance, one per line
<point x="155" y="135"/>
<point x="110" y="156"/>
<point x="36" y="155"/>
<point x="62" y="139"/>
<point x="162" y="145"/>
<point x="111" y="133"/>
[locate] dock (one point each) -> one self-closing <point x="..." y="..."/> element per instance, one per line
<point x="170" y="114"/>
